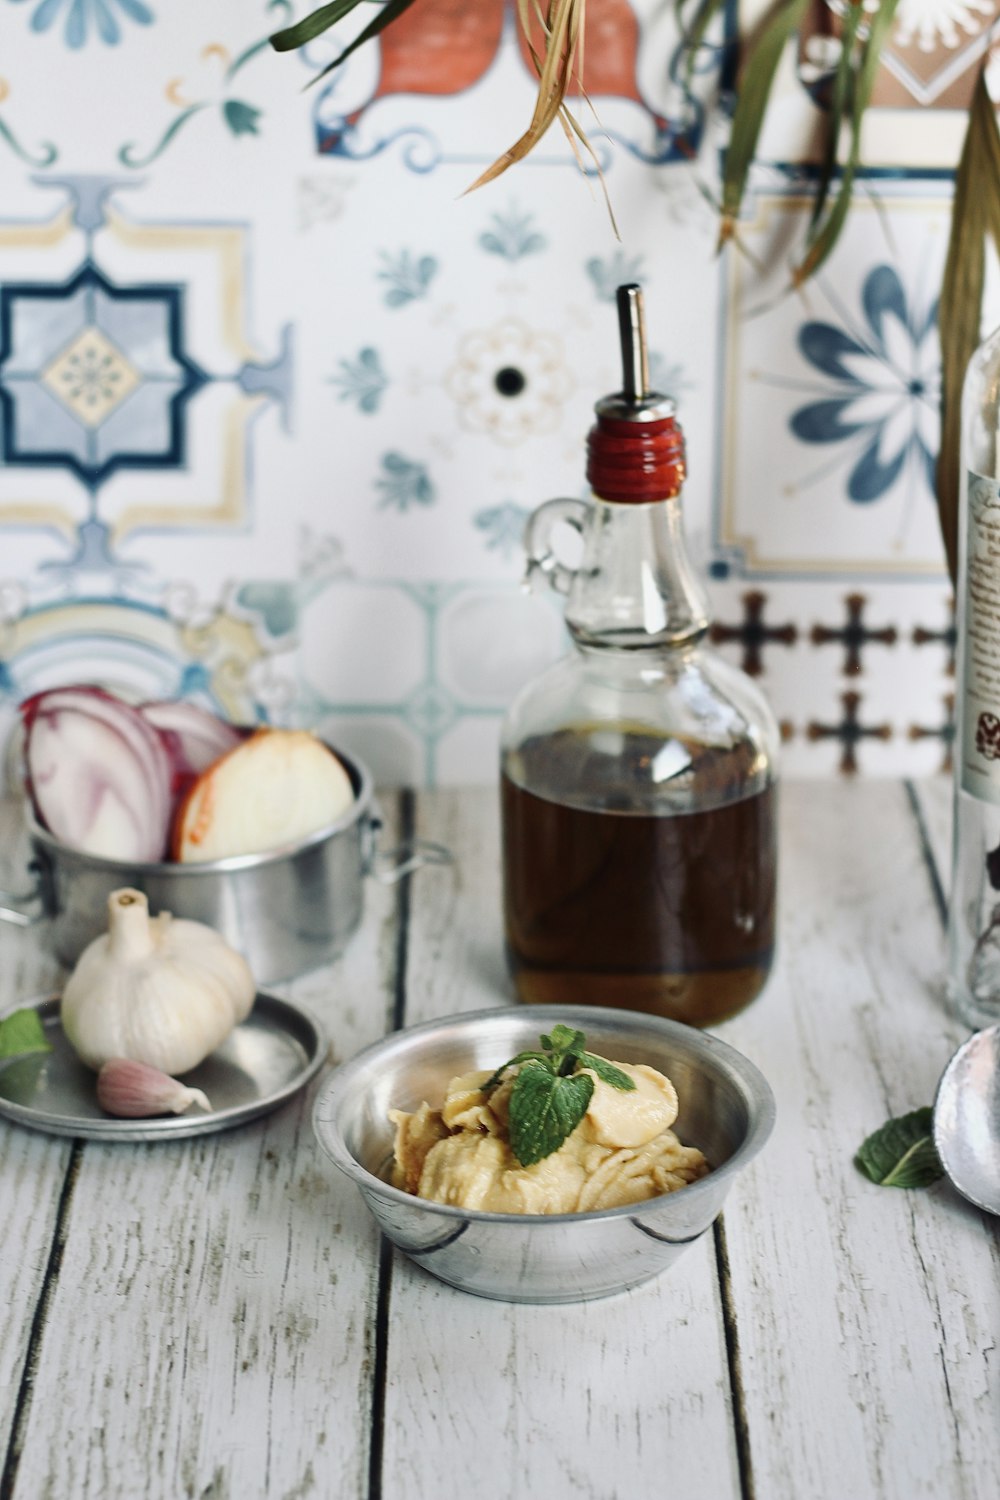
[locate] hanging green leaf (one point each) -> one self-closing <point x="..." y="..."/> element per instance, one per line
<point x="312" y="26"/>
<point x="840" y="99"/>
<point x="389" y="12"/>
<point x="754" y="92"/>
<point x="975" y="213"/>
<point x="823" y="237"/>
<point x="695" y="31"/>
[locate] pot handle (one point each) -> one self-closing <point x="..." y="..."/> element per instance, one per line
<point x="24" y="908"/>
<point x="389" y="866"/>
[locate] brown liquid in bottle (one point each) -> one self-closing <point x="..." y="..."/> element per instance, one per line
<point x="670" y="912"/>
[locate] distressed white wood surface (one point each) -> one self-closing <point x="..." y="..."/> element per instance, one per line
<point x="206" y="1326"/>
<point x="32" y="1174"/>
<point x="601" y="1400"/>
<point x="209" y="1330"/>
<point x="867" y="1317"/>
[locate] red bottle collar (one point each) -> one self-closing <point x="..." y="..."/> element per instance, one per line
<point x="634" y="462"/>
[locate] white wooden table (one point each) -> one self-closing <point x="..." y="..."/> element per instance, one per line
<point x="216" y="1318"/>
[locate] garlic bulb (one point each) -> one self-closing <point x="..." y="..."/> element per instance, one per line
<point x="154" y="990"/>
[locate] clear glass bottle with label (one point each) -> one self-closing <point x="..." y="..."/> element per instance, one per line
<point x="638" y="773"/>
<point x="974" y="908"/>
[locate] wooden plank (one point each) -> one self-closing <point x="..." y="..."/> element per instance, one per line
<point x="600" y="1400"/>
<point x="33" y="1167"/>
<point x="866" y="1316"/>
<point x="209" y="1332"/>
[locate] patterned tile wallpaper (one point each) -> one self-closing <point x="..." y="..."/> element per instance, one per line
<point x="276" y="398"/>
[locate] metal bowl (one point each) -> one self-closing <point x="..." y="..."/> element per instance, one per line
<point x="726" y="1108"/>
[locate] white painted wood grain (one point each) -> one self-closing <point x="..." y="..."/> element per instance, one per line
<point x="867" y="1316"/>
<point x="209" y="1333"/>
<point x="623" y="1397"/>
<point x="455" y="959"/>
<point x="32" y="1167"/>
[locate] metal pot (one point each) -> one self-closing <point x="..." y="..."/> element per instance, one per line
<point x="286" y="911"/>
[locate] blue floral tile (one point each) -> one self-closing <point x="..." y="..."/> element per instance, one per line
<point x="82" y="20"/>
<point x="361" y="380"/>
<point x="880" y="382"/>
<point x="608" y="273"/>
<point x="513" y="235"/>
<point x="94" y="377"/>
<point x="404" y="482"/>
<point x="407" y="277"/>
<point x="503" y="526"/>
<point x="831" y="408"/>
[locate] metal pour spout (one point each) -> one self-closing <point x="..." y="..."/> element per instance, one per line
<point x="632" y="330"/>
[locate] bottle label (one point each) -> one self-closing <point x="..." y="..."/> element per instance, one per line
<point x="980" y="738"/>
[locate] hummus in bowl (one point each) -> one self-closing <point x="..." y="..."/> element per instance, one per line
<point x="622" y="1151"/>
<point x="725" y="1112"/>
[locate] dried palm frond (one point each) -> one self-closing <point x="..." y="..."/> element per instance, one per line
<point x="559" y="65"/>
<point x="562" y="25"/>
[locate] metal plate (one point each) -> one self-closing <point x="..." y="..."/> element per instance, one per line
<point x="267" y="1059"/>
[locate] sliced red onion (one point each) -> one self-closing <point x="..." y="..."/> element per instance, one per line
<point x="193" y="736"/>
<point x="98" y="774"/>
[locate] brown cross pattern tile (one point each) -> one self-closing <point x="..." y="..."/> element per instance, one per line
<point x="944" y="732"/>
<point x="854" y="635"/>
<point x="754" y="634"/>
<point x="849" y="732"/>
<point x="948" y="637"/>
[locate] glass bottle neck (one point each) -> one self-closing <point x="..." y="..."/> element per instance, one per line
<point x="635" y="586"/>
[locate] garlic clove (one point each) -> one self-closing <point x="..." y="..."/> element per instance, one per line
<point x="134" y="1090"/>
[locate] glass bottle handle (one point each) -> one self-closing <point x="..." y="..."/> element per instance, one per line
<point x="538" y="541"/>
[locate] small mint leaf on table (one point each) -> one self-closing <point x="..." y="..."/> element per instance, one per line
<point x="22" y="1032"/>
<point x="902" y="1152"/>
<point x="606" y="1072"/>
<point x="544" y="1110"/>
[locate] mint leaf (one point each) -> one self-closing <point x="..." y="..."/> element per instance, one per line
<point x="22" y="1031"/>
<point x="606" y="1072"/>
<point x="564" y="1053"/>
<point x="563" y="1039"/>
<point x="901" y="1153"/>
<point x="544" y="1110"/>
<point x="513" y="1062"/>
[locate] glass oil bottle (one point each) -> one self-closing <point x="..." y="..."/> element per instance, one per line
<point x="638" y="774"/>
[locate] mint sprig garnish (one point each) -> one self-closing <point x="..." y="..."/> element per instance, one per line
<point x="22" y="1032"/>
<point x="550" y="1097"/>
<point x="901" y="1153"/>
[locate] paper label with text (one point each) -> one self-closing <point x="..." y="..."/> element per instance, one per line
<point x="980" y="738"/>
